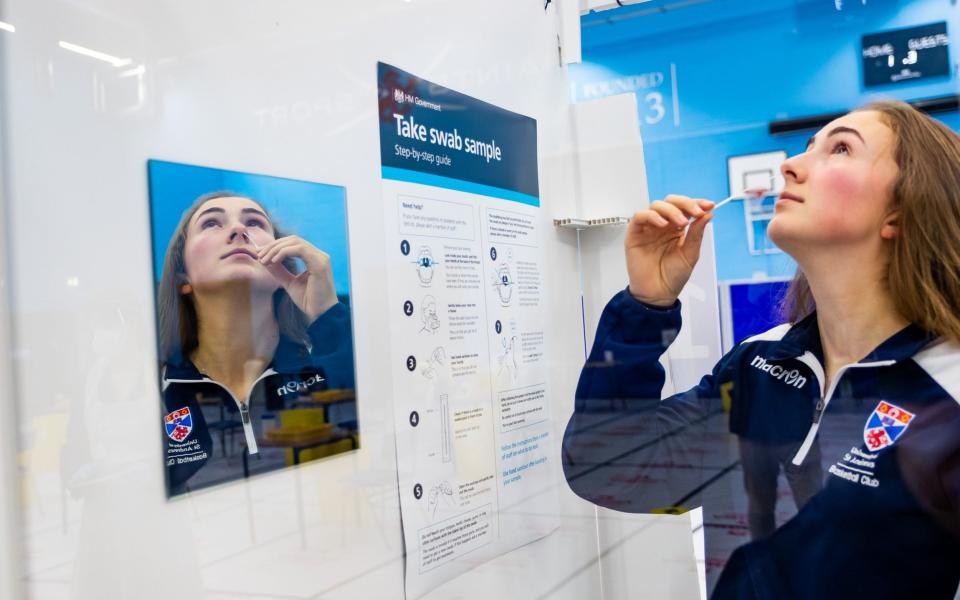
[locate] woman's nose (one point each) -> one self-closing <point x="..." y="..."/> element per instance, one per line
<point x="792" y="169"/>
<point x="239" y="231"/>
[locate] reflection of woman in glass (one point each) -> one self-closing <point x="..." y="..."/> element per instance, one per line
<point x="242" y="329"/>
<point x="865" y="376"/>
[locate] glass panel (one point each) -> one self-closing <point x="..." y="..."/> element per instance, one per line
<point x="793" y="459"/>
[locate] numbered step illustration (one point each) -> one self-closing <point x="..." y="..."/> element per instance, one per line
<point x="426" y="265"/>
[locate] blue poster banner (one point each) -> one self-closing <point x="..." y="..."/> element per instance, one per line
<point x="436" y="136"/>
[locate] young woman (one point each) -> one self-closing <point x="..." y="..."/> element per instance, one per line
<point x="862" y="383"/>
<point x="242" y="328"/>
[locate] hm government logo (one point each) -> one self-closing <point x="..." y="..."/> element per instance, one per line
<point x="789" y="377"/>
<point x="398" y="95"/>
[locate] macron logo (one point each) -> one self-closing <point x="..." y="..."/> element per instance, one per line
<point x="791" y="377"/>
<point x="299" y="386"/>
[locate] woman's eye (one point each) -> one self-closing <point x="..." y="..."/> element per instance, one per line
<point x="255" y="223"/>
<point x="209" y="223"/>
<point x="841" y="148"/>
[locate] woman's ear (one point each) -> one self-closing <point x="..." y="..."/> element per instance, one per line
<point x="891" y="226"/>
<point x="183" y="285"/>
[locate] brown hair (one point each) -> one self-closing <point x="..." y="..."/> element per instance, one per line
<point x="177" y="316"/>
<point x="923" y="274"/>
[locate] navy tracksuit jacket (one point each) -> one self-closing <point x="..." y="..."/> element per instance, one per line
<point x="296" y="369"/>
<point x="886" y="521"/>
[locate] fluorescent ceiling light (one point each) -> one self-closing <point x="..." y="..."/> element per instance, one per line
<point x="7" y="27"/>
<point x="113" y="60"/>
<point x="140" y="70"/>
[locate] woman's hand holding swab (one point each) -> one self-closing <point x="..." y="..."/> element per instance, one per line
<point x="662" y="245"/>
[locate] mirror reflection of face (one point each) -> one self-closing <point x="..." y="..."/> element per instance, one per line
<point x="839" y="191"/>
<point x="223" y="237"/>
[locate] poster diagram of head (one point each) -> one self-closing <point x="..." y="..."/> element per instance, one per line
<point x="508" y="353"/>
<point x="504" y="280"/>
<point x="253" y="322"/>
<point x="429" y="315"/>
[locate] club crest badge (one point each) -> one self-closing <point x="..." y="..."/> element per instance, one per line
<point x="884" y="425"/>
<point x="178" y="424"/>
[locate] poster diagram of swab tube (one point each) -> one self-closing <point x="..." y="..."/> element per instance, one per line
<point x="445" y="427"/>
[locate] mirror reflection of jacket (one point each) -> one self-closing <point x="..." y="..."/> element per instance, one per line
<point x="296" y="369"/>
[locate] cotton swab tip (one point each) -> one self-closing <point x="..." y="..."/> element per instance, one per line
<point x="247" y="238"/>
<point x="757" y="192"/>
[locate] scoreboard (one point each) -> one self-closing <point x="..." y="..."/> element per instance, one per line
<point x="905" y="54"/>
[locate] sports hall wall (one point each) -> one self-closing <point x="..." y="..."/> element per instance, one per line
<point x="736" y="67"/>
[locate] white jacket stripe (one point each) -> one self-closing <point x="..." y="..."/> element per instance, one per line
<point x="941" y="361"/>
<point x="771" y="335"/>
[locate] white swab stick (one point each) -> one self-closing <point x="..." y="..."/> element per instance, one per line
<point x="754" y="193"/>
<point x="722" y="202"/>
<point x="751" y="193"/>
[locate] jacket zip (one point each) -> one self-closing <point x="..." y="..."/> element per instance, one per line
<point x="244" y="407"/>
<point x="811" y="361"/>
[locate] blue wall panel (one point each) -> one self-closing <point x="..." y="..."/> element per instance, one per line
<point x="710" y="77"/>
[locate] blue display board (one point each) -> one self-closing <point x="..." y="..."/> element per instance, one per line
<point x="755" y="307"/>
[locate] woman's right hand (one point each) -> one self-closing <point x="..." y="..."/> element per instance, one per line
<point x="661" y="250"/>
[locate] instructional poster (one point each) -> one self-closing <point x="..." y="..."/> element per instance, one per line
<point x="474" y="449"/>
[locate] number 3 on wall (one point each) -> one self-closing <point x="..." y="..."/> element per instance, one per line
<point x="654" y="102"/>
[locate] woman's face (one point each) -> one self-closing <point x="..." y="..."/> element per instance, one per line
<point x="837" y="193"/>
<point x="223" y="236"/>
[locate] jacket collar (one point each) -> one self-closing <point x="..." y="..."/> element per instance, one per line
<point x="902" y="345"/>
<point x="289" y="357"/>
<point x="183" y="370"/>
<point x="805" y="337"/>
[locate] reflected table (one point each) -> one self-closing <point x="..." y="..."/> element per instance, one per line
<point x="325" y="400"/>
<point x="297" y="441"/>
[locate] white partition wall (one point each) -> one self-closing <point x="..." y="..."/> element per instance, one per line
<point x="11" y="546"/>
<point x="281" y="88"/>
<point x="284" y="88"/>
